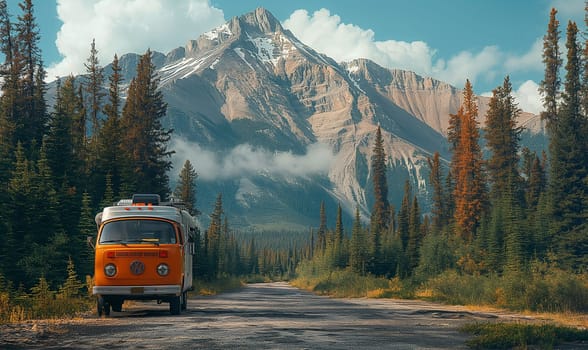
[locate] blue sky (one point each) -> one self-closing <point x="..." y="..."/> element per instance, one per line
<point x="450" y="40"/>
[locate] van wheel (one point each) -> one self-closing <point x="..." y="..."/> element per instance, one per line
<point x="184" y="300"/>
<point x="117" y="306"/>
<point x="103" y="307"/>
<point x="175" y="305"/>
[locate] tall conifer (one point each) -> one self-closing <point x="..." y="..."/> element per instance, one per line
<point x="438" y="205"/>
<point x="549" y="87"/>
<point x="503" y="138"/>
<point x="358" y="250"/>
<point x="144" y="147"/>
<point x="569" y="164"/>
<point x="31" y="120"/>
<point x="381" y="210"/>
<point x="186" y="188"/>
<point x="110" y="137"/>
<point x="93" y="87"/>
<point x="470" y="192"/>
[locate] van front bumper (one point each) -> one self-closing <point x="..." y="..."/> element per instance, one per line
<point x="138" y="290"/>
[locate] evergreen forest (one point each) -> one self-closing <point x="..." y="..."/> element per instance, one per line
<point x="509" y="228"/>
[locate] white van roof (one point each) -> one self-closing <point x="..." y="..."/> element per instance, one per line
<point x="147" y="211"/>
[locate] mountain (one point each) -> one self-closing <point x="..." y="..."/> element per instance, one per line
<point x="277" y="127"/>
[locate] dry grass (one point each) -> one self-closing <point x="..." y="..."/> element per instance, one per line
<point x="569" y="319"/>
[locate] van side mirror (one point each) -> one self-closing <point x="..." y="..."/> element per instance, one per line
<point x="90" y="241"/>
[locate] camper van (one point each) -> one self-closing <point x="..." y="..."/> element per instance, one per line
<point x="143" y="251"/>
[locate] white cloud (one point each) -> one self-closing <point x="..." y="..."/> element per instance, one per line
<point x="344" y="42"/>
<point x="246" y="160"/>
<point x="530" y="61"/>
<point x="467" y="65"/>
<point x="528" y="97"/>
<point x="123" y="26"/>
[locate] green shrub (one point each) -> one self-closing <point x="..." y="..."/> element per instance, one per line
<point x="550" y="290"/>
<point x="345" y="283"/>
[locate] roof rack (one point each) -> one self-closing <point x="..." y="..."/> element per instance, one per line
<point x="152" y="199"/>
<point x="146" y="199"/>
<point x="176" y="203"/>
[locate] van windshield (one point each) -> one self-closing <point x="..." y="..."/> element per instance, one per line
<point x="138" y="231"/>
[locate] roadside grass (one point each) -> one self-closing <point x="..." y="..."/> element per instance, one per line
<point x="557" y="298"/>
<point x="347" y="284"/>
<point x="521" y="336"/>
<point x="216" y="286"/>
<point x="70" y="301"/>
<point x="552" y="291"/>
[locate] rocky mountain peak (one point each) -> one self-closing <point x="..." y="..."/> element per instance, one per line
<point x="261" y="21"/>
<point x="258" y="23"/>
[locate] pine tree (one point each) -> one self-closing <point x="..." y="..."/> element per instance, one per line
<point x="20" y="213"/>
<point x="108" y="198"/>
<point x="65" y="149"/>
<point x="470" y="192"/>
<point x="214" y="233"/>
<point x="339" y="225"/>
<point x="45" y="201"/>
<point x="503" y="138"/>
<point x="339" y="240"/>
<point x="110" y="138"/>
<point x="404" y="232"/>
<point x="404" y="216"/>
<point x="63" y="140"/>
<point x="379" y="219"/>
<point x="8" y="96"/>
<point x="569" y="164"/>
<point x="438" y="206"/>
<point x="186" y="188"/>
<point x="83" y="255"/>
<point x="72" y="286"/>
<point x="31" y="119"/>
<point x="144" y="149"/>
<point x="8" y="99"/>
<point x="358" y="250"/>
<point x="322" y="230"/>
<point x="515" y="239"/>
<point x="549" y="87"/>
<point x="93" y="87"/>
<point x="415" y="236"/>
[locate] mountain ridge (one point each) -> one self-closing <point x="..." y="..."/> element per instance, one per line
<point x="249" y="88"/>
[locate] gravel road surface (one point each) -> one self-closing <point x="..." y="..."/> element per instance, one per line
<point x="259" y="316"/>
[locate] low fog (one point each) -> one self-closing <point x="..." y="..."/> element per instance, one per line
<point x="245" y="160"/>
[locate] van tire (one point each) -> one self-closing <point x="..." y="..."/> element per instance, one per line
<point x="117" y="305"/>
<point x="184" y="300"/>
<point x="175" y="305"/>
<point x="103" y="307"/>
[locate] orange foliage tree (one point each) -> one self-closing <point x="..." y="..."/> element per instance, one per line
<point x="470" y="192"/>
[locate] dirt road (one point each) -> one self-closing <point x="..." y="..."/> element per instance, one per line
<point x="260" y="316"/>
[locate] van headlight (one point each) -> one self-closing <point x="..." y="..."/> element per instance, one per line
<point x="162" y="269"/>
<point x="110" y="270"/>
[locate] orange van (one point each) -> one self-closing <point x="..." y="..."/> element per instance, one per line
<point x="143" y="251"/>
